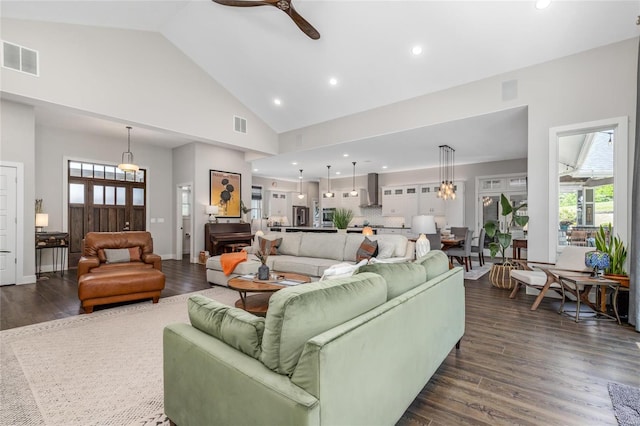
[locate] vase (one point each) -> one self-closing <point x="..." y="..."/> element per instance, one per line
<point x="263" y="272"/>
<point x="500" y="276"/>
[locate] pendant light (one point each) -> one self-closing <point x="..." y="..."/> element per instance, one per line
<point x="447" y="190"/>
<point x="354" y="193"/>
<point x="300" y="195"/>
<point x="328" y="194"/>
<point x="127" y="164"/>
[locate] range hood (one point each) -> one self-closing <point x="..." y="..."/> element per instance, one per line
<point x="373" y="191"/>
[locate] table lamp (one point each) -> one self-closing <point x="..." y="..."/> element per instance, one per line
<point x="212" y="211"/>
<point x="367" y="230"/>
<point x="422" y="225"/>
<point x="598" y="261"/>
<point x="42" y="220"/>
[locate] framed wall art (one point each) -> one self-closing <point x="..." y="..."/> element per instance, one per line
<point x="225" y="192"/>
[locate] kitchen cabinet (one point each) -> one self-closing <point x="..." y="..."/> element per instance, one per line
<point x="352" y="202"/>
<point x="428" y="201"/>
<point x="400" y="201"/>
<point x="279" y="204"/>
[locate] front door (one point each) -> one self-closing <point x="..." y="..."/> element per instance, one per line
<point x="8" y="224"/>
<point x="103" y="199"/>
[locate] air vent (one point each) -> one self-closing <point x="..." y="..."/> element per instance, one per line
<point x="19" y="58"/>
<point x="239" y="124"/>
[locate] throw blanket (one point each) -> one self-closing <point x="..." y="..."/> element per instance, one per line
<point x="229" y="261"/>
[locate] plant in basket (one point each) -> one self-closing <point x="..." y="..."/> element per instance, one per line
<point x="501" y="240"/>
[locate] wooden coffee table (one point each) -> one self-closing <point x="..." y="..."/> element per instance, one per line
<point x="258" y="303"/>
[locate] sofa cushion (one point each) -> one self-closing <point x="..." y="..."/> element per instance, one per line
<point x="322" y="245"/>
<point x="400" y="277"/>
<point x="290" y="243"/>
<point x="367" y="250"/>
<point x="314" y="267"/>
<point x="299" y="313"/>
<point x="435" y="263"/>
<point x="351" y="246"/>
<point x="235" y="327"/>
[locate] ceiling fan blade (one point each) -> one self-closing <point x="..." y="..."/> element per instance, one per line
<point x="241" y="3"/>
<point x="302" y="23"/>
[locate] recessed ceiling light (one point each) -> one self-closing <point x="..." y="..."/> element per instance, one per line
<point x="542" y="4"/>
<point x="416" y="50"/>
<point x="333" y="81"/>
<point x="295" y="163"/>
<point x="337" y="173"/>
<point x="384" y="167"/>
<point x="345" y="155"/>
<point x="255" y="170"/>
<point x="277" y="101"/>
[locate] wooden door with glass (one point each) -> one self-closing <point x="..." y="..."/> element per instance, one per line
<point x="103" y="198"/>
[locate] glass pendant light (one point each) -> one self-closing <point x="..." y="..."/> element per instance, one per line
<point x="127" y="164"/>
<point x="328" y="194"/>
<point x="300" y="194"/>
<point x="354" y="193"/>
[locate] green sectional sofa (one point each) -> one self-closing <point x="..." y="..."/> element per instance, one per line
<point x="348" y="351"/>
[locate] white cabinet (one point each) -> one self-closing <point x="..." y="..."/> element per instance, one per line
<point x="454" y="209"/>
<point x="349" y="201"/>
<point x="400" y="201"/>
<point x="329" y="203"/>
<point x="279" y="203"/>
<point x="428" y="201"/>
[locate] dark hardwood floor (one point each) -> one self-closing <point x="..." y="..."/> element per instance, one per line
<point x="514" y="366"/>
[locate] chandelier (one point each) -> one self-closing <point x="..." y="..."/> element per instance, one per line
<point x="127" y="164"/>
<point x="447" y="190"/>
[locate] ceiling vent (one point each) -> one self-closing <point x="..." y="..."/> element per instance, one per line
<point x="239" y="124"/>
<point x="19" y="58"/>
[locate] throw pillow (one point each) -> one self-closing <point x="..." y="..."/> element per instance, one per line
<point x="134" y="254"/>
<point x="367" y="250"/>
<point x="235" y="327"/>
<point x="341" y="270"/>
<point x="385" y="249"/>
<point x="269" y="246"/>
<point x="117" y="255"/>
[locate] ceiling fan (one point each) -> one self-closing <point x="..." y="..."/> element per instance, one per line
<point x="283" y="5"/>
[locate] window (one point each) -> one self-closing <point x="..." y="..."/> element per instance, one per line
<point x="256" y="202"/>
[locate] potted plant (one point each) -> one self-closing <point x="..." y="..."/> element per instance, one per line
<point x="263" y="270"/>
<point x="614" y="247"/>
<point x="245" y="211"/>
<point x="500" y="274"/>
<point x="341" y="218"/>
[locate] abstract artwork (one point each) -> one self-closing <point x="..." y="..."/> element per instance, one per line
<point x="225" y="192"/>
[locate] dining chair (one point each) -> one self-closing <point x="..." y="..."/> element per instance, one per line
<point x="462" y="252"/>
<point x="479" y="248"/>
<point x="459" y="232"/>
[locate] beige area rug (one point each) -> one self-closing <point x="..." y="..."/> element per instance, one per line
<point x="477" y="271"/>
<point x="99" y="369"/>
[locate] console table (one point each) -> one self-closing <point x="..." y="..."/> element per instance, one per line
<point x="58" y="242"/>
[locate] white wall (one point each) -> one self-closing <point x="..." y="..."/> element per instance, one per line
<point x="589" y="86"/>
<point x="207" y="158"/>
<point x="133" y="76"/>
<point x="17" y="145"/>
<point x="54" y="147"/>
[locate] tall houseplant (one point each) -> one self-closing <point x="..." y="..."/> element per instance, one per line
<point x="342" y="217"/>
<point x="614" y="247"/>
<point x="500" y="275"/>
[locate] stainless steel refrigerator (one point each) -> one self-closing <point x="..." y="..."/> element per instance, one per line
<point x="301" y="216"/>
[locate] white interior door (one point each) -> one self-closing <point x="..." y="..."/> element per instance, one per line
<point x="8" y="225"/>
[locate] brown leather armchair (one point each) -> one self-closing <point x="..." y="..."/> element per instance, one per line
<point x="94" y="259"/>
<point x="132" y="274"/>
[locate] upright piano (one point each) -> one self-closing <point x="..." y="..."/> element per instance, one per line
<point x="218" y="235"/>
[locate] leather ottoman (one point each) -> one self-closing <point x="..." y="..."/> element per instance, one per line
<point x="100" y="288"/>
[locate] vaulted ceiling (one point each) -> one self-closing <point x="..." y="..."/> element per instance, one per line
<point x="260" y="55"/>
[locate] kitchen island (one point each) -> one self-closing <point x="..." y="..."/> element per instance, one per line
<point x="312" y="229"/>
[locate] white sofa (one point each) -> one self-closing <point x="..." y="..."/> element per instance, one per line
<point x="311" y="253"/>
